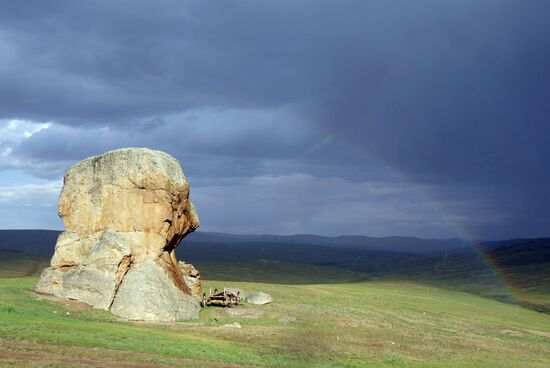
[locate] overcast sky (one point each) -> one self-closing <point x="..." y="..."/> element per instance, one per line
<point x="423" y="118"/>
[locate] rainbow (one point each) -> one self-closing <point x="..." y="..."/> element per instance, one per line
<point x="459" y="231"/>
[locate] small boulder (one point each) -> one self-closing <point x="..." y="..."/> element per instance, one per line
<point x="259" y="298"/>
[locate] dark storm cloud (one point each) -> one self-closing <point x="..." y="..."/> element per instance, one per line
<point x="126" y="60"/>
<point x="448" y="96"/>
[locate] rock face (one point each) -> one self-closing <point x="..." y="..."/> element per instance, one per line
<point x="259" y="298"/>
<point x="192" y="278"/>
<point x="125" y="212"/>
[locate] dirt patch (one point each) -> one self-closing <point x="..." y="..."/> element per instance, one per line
<point x="287" y="319"/>
<point x="27" y="353"/>
<point x="73" y="305"/>
<point x="538" y="333"/>
<point x="512" y="333"/>
<point x="244" y="312"/>
<point x="40" y="359"/>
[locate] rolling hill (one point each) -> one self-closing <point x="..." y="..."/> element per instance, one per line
<point x="516" y="273"/>
<point x="322" y="316"/>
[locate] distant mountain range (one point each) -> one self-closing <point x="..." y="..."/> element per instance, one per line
<point x="398" y="244"/>
<point x="360" y="251"/>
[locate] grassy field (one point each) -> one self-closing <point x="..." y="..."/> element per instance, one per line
<point x="321" y="317"/>
<point x="522" y="279"/>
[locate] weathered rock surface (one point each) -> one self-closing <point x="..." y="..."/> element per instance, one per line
<point x="125" y="212"/>
<point x="192" y="278"/>
<point x="147" y="294"/>
<point x="259" y="298"/>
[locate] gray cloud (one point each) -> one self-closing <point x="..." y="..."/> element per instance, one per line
<point x="445" y="96"/>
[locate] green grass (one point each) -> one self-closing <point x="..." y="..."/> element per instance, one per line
<point x="343" y="319"/>
<point x="526" y="285"/>
<point x="15" y="264"/>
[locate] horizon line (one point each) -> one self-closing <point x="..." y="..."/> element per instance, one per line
<point x="329" y="236"/>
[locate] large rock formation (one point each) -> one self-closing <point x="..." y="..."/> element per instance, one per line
<point x="125" y="212"/>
